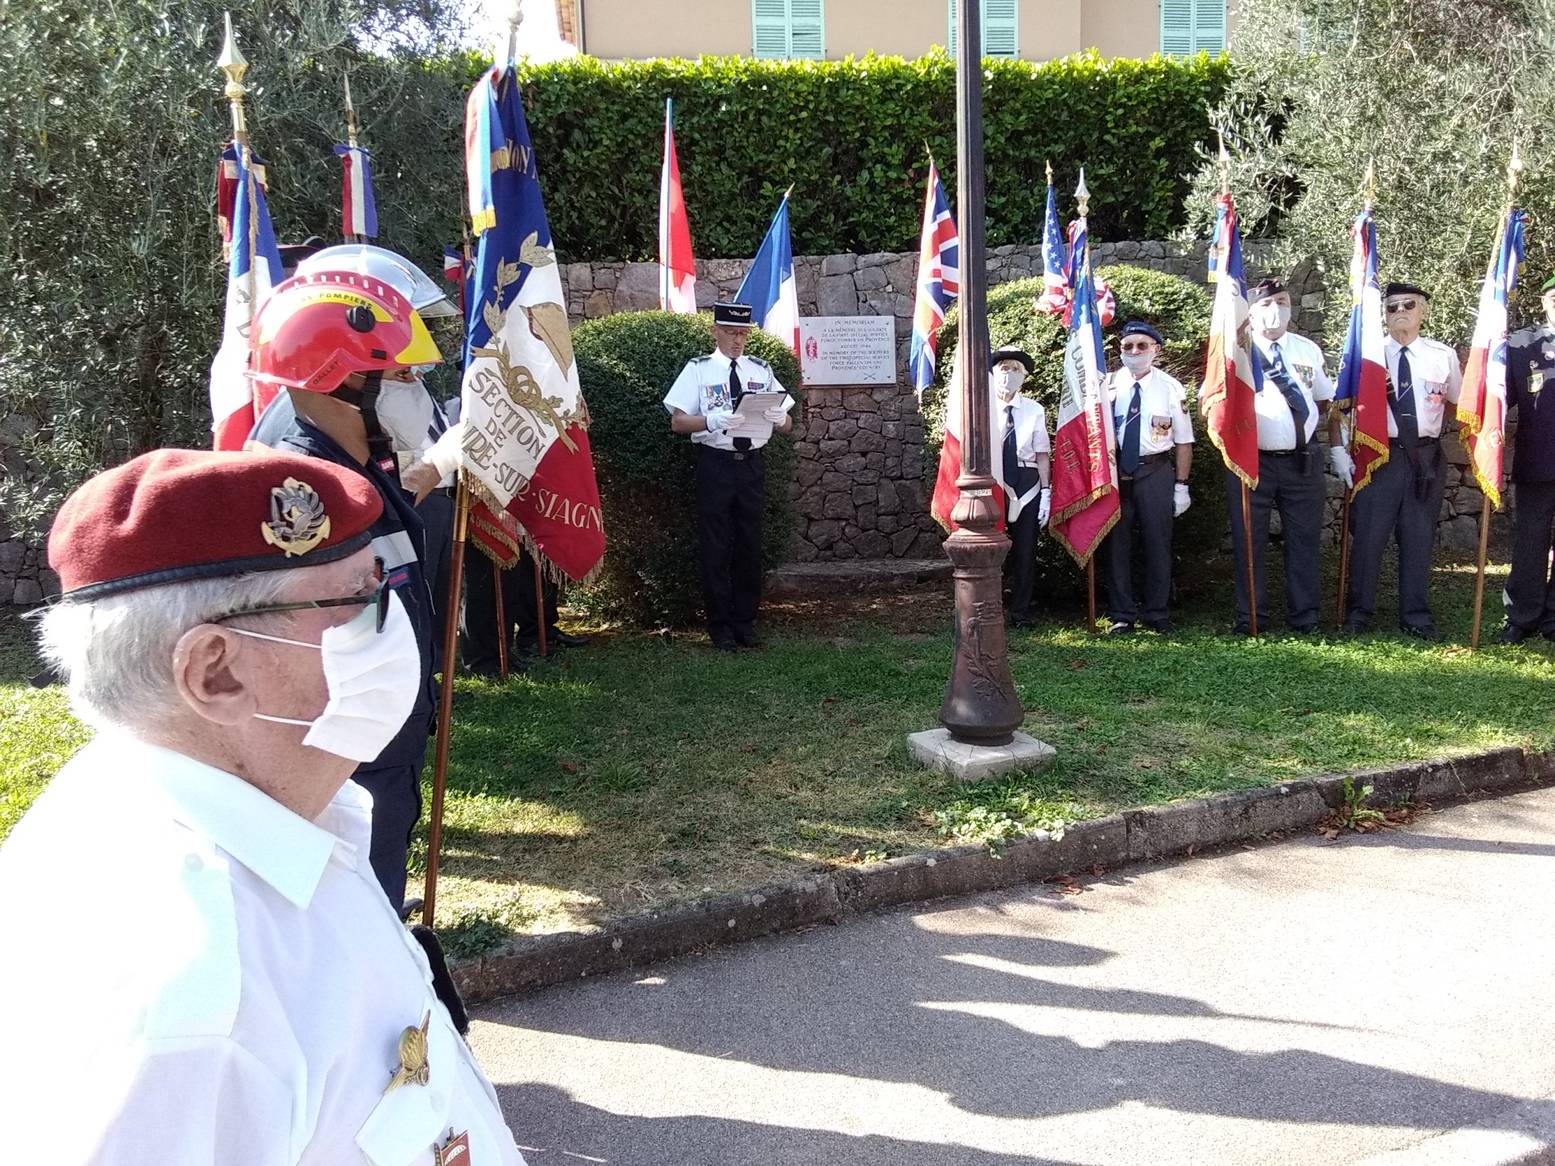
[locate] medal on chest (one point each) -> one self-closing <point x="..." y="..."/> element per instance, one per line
<point x="454" y="1152"/>
<point x="414" y="1068"/>
<point x="1535" y="380"/>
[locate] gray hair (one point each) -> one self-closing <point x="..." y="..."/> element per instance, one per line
<point x="117" y="652"/>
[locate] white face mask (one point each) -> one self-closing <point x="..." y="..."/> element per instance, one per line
<point x="1007" y="382"/>
<point x="1138" y="363"/>
<point x="1271" y="317"/>
<point x="405" y="412"/>
<point x="372" y="678"/>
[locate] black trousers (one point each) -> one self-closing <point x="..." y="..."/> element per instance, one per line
<point x="437" y="514"/>
<point x="731" y="497"/>
<point x="1530" y="592"/>
<point x="1021" y="565"/>
<point x="396" y="791"/>
<point x="480" y="642"/>
<point x="1292" y="483"/>
<point x="1146" y="518"/>
<point x="1401" y="502"/>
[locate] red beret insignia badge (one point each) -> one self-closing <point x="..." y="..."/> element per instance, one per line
<point x="297" y="521"/>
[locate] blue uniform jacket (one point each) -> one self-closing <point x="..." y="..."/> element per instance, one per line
<point x="1530" y="372"/>
<point x="399" y="539"/>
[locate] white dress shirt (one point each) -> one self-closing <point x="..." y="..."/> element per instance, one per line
<point x="1437" y="378"/>
<point x="200" y="976"/>
<point x="1304" y="363"/>
<point x="1031" y="439"/>
<point x="1163" y="410"/>
<point x="703" y="385"/>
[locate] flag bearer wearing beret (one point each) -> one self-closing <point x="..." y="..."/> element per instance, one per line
<point x="322" y="345"/>
<point x="1404" y="496"/>
<point x="1025" y="464"/>
<point x="1530" y="371"/>
<point x="1290" y="465"/>
<point x="730" y="480"/>
<point x="1154" y="454"/>
<point x="206" y="970"/>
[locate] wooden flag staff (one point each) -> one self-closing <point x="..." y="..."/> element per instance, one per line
<point x="1247" y="505"/>
<point x="445" y="702"/>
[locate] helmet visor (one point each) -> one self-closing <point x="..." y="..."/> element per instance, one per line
<point x="421" y="349"/>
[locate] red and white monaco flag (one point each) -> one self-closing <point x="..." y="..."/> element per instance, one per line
<point x="526" y="442"/>
<point x="677" y="267"/>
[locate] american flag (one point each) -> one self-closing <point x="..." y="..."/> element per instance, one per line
<point x="1054" y="300"/>
<point x="939" y="280"/>
<point x="358" y="210"/>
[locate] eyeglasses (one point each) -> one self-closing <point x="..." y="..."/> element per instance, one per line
<point x="1139" y="346"/>
<point x="378" y="597"/>
<point x="1401" y="306"/>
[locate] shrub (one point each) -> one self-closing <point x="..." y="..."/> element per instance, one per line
<point x="626" y="363"/>
<point x="1180" y="310"/>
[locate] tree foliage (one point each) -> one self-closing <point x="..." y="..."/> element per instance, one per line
<point x="1435" y="92"/>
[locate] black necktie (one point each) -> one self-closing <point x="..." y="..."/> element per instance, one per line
<point x="735" y="393"/>
<point x="1404" y="402"/>
<point x="1128" y="448"/>
<point x="1297" y="403"/>
<point x="1011" y="450"/>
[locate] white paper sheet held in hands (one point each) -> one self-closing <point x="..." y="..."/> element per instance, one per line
<point x="748" y="419"/>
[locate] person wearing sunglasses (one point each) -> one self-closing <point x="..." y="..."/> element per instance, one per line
<point x="1530" y="374"/>
<point x="1154" y="453"/>
<point x="1404" y="497"/>
<point x="207" y="967"/>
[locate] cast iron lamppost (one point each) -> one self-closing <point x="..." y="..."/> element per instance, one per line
<point x="981" y="707"/>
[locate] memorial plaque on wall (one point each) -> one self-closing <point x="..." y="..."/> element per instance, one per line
<point x="847" y="350"/>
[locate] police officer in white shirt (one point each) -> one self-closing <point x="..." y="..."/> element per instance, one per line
<point x="1024" y="466"/>
<point x="1404" y="496"/>
<point x="730" y="479"/>
<point x="207" y="972"/>
<point x="1154" y="454"/>
<point x="1290" y="465"/>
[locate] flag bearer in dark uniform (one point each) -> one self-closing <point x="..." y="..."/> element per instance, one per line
<point x="1290" y="462"/>
<point x="730" y="481"/>
<point x="1404" y="496"/>
<point x="1154" y="454"/>
<point x="322" y="343"/>
<point x="1530" y="371"/>
<point x="1025" y="465"/>
<point x="479" y="630"/>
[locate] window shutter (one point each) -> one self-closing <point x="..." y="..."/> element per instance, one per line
<point x="1177" y="28"/>
<point x="950" y="37"/>
<point x="807" y="28"/>
<point x="1209" y="26"/>
<point x="769" y="28"/>
<point x="1000" y="37"/>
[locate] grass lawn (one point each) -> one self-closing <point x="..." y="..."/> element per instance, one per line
<point x="643" y="769"/>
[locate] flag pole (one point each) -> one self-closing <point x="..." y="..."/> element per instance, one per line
<point x="1247" y="518"/>
<point x="502" y="620"/>
<point x="445" y="703"/>
<point x="234" y="64"/>
<point x="350" y="141"/>
<point x="534" y="557"/>
<point x="1514" y="169"/>
<point x="1369" y="193"/>
<point x="1090" y="590"/>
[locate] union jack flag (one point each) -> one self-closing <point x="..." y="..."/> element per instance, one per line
<point x="939" y="280"/>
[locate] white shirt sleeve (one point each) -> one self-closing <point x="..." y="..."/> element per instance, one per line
<point x="1040" y="442"/>
<point x="1182" y="424"/>
<point x="686" y="393"/>
<point x="1454" y="374"/>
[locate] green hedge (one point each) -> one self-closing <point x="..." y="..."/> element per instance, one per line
<point x="850" y="136"/>
<point x="626" y="364"/>
<point x="1180" y="310"/>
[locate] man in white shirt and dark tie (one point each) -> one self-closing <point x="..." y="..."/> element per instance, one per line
<point x="1025" y="458"/>
<point x="1404" y="497"/>
<point x="1290" y="468"/>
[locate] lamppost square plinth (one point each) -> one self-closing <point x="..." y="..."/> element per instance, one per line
<point x="965" y="762"/>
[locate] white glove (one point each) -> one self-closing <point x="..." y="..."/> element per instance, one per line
<point x="1344" y="465"/>
<point x="777" y="414"/>
<point x="717" y="419"/>
<point x="446" y="454"/>
<point x="1180" y="499"/>
<point x="1044" y="505"/>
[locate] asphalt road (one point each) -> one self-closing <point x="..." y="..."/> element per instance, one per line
<point x="1308" y="1001"/>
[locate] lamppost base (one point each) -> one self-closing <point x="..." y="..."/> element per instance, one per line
<point x="981" y="705"/>
<point x="937" y="749"/>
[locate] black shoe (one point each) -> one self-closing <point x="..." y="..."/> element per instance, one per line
<point x="1120" y="627"/>
<point x="1022" y="621"/>
<point x="1423" y="631"/>
<point x="748" y="637"/>
<point x="1162" y="627"/>
<point x="726" y="644"/>
<point x="410" y="907"/>
<point x="1512" y="634"/>
<point x="564" y="640"/>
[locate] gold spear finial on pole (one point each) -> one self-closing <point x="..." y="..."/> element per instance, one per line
<point x="1514" y="171"/>
<point x="1081" y="195"/>
<point x="1050" y="172"/>
<point x="516" y="19"/>
<point x="350" y="116"/>
<point x="234" y="64"/>
<point x="1369" y="183"/>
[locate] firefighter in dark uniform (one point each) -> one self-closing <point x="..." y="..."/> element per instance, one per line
<point x="730" y="481"/>
<point x="322" y="343"/>
<point x="1404" y="496"/>
<point x="1530" y="372"/>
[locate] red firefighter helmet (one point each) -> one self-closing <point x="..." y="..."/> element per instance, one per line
<point x="315" y="330"/>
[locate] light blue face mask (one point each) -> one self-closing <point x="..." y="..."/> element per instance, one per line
<point x="371" y="676"/>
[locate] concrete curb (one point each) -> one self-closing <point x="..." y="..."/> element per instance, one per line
<point x="1132" y="836"/>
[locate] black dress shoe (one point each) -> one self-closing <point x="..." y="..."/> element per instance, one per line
<point x="1423" y="631"/>
<point x="748" y="637"/>
<point x="566" y="640"/>
<point x="723" y="644"/>
<point x="1512" y="634"/>
<point x="1120" y="627"/>
<point x="1162" y="627"/>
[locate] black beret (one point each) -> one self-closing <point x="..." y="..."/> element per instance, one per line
<point x="1263" y="289"/>
<point x="1404" y="289"/>
<point x="1010" y="352"/>
<point x="1141" y="328"/>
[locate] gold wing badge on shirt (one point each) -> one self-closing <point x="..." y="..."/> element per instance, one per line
<point x="414" y="1068"/>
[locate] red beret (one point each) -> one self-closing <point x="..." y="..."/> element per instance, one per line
<point x="178" y="514"/>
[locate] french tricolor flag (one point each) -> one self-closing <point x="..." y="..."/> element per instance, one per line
<point x="358" y="211"/>
<point x="769" y="286"/>
<point x="677" y="266"/>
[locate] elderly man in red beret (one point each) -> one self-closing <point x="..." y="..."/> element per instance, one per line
<point x="207" y="970"/>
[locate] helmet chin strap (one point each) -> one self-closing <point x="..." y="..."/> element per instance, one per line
<point x="380" y="446"/>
